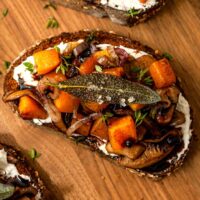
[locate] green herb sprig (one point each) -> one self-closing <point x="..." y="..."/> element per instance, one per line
<point x="106" y="116"/>
<point x="139" y="117"/>
<point x="168" y="56"/>
<point x="33" y="154"/>
<point x="52" y="23"/>
<point x="132" y="12"/>
<point x="65" y="64"/>
<point x="98" y="68"/>
<point x="29" y="66"/>
<point x="6" y="64"/>
<point x="5" y="12"/>
<point x="90" y="37"/>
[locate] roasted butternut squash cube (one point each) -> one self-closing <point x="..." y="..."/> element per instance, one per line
<point x="95" y="107"/>
<point x="57" y="77"/>
<point x="121" y="130"/>
<point x="85" y="128"/>
<point x="136" y="107"/>
<point x="29" y="109"/>
<point x="87" y="67"/>
<point x="162" y="73"/>
<point x="100" y="129"/>
<point x="46" y="61"/>
<point x="117" y="71"/>
<point x="102" y="53"/>
<point x="66" y="102"/>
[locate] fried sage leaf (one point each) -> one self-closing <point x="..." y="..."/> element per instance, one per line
<point x="6" y="191"/>
<point x="107" y="88"/>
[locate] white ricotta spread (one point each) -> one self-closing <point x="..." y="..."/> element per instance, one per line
<point x="42" y="121"/>
<point x="129" y="4"/>
<point x="133" y="52"/>
<point x="8" y="169"/>
<point x="22" y="72"/>
<point x="184" y="107"/>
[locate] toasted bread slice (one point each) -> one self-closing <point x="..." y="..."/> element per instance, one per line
<point x="121" y="12"/>
<point x="18" y="178"/>
<point x="151" y="140"/>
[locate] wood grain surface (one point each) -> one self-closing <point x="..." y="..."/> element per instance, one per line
<point x="70" y="171"/>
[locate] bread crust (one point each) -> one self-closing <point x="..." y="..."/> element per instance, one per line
<point x="117" y="16"/>
<point x="23" y="166"/>
<point x="102" y="37"/>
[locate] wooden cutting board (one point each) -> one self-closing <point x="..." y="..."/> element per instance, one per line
<point x="70" y="171"/>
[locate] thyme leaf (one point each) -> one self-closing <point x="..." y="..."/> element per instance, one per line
<point x="5" y="12"/>
<point x="98" y="68"/>
<point x="64" y="66"/>
<point x="52" y="23"/>
<point x="6" y="64"/>
<point x="33" y="154"/>
<point x="106" y="116"/>
<point x="90" y="37"/>
<point x="168" y="56"/>
<point x="97" y="87"/>
<point x="29" y="66"/>
<point x="132" y="12"/>
<point x="139" y="117"/>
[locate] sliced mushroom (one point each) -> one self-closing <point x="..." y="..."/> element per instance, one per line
<point x="20" y="93"/>
<point x="178" y="118"/>
<point x="152" y="154"/>
<point x="163" y="117"/>
<point x="133" y="152"/>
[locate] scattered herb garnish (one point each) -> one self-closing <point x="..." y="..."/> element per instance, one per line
<point x="65" y="64"/>
<point x="135" y="69"/>
<point x="50" y="5"/>
<point x="62" y="68"/>
<point x="6" y="64"/>
<point x="4" y="12"/>
<point x="106" y="116"/>
<point x="29" y="66"/>
<point x="57" y="48"/>
<point x="90" y="37"/>
<point x="139" y="117"/>
<point x="132" y="12"/>
<point x="6" y="191"/>
<point x="34" y="154"/>
<point x="52" y="23"/>
<point x="98" y="68"/>
<point x="148" y="80"/>
<point x="97" y="87"/>
<point x="168" y="56"/>
<point x="142" y="75"/>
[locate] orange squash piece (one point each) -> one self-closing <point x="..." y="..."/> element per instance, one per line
<point x="117" y="71"/>
<point x="46" y="60"/>
<point x="85" y="128"/>
<point x="88" y="65"/>
<point x="135" y="106"/>
<point x="120" y="130"/>
<point x="102" y="53"/>
<point x="58" y="77"/>
<point x="29" y="109"/>
<point x="95" y="107"/>
<point x="162" y="73"/>
<point x="100" y="129"/>
<point x="66" y="102"/>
